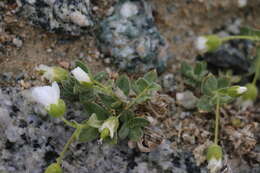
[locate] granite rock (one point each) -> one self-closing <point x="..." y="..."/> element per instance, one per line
<point x="60" y="16"/>
<point x="129" y="36"/>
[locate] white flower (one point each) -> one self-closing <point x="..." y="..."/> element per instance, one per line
<point x="47" y="95"/>
<point x="208" y="43"/>
<point x="111" y="124"/>
<point x="201" y="43"/>
<point x="80" y="75"/>
<point x="214" y="165"/>
<point x="242" y="3"/>
<point x="241" y="90"/>
<point x="53" y="73"/>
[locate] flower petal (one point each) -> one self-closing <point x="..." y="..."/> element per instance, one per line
<point x="46" y="95"/>
<point x="80" y="75"/>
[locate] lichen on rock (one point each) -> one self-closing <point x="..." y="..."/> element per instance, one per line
<point x="129" y="36"/>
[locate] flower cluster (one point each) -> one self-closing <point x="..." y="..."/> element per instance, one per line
<point x="109" y="107"/>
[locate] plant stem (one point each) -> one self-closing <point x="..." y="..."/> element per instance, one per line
<point x="217" y="122"/>
<point x="252" y="38"/>
<point x="66" y="147"/>
<point x="257" y="67"/>
<point x="68" y="123"/>
<point x="105" y="89"/>
<point x="132" y="103"/>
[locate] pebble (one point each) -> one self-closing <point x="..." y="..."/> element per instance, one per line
<point x="17" y="42"/>
<point x="186" y="99"/>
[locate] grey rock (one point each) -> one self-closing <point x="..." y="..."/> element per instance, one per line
<point x="186" y="99"/>
<point x="131" y="38"/>
<point x="168" y="82"/>
<point x="66" y="16"/>
<point x="17" y="42"/>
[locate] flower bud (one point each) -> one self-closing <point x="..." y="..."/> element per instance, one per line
<point x="53" y="168"/>
<point x="49" y="97"/>
<point x="104" y="133"/>
<point x="251" y="93"/>
<point x="208" y="43"/>
<point x="236" y="91"/>
<point x="214" y="158"/>
<point x="53" y="73"/>
<point x="81" y="75"/>
<point x="110" y="125"/>
<point x="57" y="110"/>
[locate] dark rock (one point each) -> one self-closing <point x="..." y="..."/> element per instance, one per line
<point x="232" y="55"/>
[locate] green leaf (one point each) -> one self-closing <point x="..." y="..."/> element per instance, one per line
<point x="223" y="82"/>
<point x="134" y="87"/>
<point x="53" y="168"/>
<point x="88" y="134"/>
<point x="124" y="131"/>
<point x="250" y="31"/>
<point x="101" y="76"/>
<point x="135" y="134"/>
<point x="67" y="89"/>
<point x="107" y="100"/>
<point x="83" y="67"/>
<point x="209" y="85"/>
<point x="137" y="122"/>
<point x="86" y="95"/>
<point x="223" y="99"/>
<point x="142" y="99"/>
<point x="151" y="76"/>
<point x="154" y="87"/>
<point x="200" y="69"/>
<point x="185" y="69"/>
<point x="93" y="108"/>
<point x="124" y="84"/>
<point x="205" y="104"/>
<point x="93" y="121"/>
<point x="126" y="116"/>
<point x="142" y="84"/>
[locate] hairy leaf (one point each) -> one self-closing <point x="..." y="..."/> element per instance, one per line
<point x="124" y="84"/>
<point x="88" y="134"/>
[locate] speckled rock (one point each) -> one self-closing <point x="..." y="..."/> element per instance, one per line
<point x="61" y="16"/>
<point x="129" y="36"/>
<point x="28" y="144"/>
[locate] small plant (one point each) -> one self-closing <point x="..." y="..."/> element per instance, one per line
<point x="109" y="104"/>
<point x="211" y="43"/>
<point x="252" y="92"/>
<point x="194" y="76"/>
<point x="215" y="92"/>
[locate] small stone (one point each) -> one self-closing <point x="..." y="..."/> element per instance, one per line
<point x="168" y="82"/>
<point x="64" y="64"/>
<point x="49" y="50"/>
<point x="107" y="61"/>
<point x="128" y="10"/>
<point x="17" y="42"/>
<point x="186" y="99"/>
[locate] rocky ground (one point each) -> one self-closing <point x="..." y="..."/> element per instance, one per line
<point x="104" y="36"/>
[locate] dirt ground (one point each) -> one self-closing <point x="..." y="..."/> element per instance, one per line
<point x="178" y="21"/>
